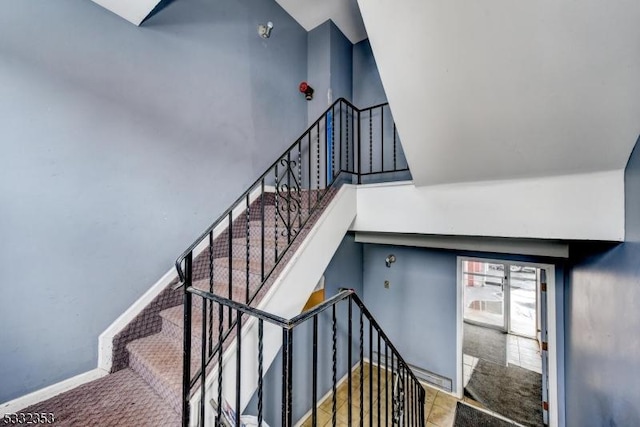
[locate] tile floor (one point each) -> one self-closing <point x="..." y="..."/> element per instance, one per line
<point x="524" y="352"/>
<point x="439" y="408"/>
<point x="521" y="351"/>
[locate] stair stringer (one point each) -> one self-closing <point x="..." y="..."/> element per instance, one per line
<point x="285" y="298"/>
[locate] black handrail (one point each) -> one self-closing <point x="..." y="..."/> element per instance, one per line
<point x="238" y="201"/>
<point x="301" y="179"/>
<point x="408" y="395"/>
<point x="248" y="191"/>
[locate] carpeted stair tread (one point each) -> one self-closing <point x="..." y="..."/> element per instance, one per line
<point x="119" y="399"/>
<point x="240" y="264"/>
<point x="158" y="360"/>
<point x="173" y="325"/>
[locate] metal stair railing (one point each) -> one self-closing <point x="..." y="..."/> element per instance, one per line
<point x="237" y="255"/>
<point x="395" y="395"/>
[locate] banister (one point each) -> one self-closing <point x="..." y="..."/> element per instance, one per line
<point x="222" y="217"/>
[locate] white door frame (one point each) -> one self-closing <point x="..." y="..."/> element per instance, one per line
<point x="551" y="326"/>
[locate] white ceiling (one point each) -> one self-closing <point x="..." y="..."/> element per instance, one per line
<point x="344" y="13"/>
<point x="503" y="89"/>
<point x="132" y="11"/>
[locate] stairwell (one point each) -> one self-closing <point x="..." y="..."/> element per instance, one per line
<point x="158" y="357"/>
<point x="241" y="258"/>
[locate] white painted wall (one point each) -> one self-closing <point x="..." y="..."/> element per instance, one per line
<point x="502" y="89"/>
<point x="583" y="207"/>
<point x="344" y="13"/>
<point x="132" y="11"/>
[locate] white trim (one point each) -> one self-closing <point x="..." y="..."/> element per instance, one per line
<point x="505" y="245"/>
<point x="551" y="327"/>
<point x="105" y="341"/>
<point x="48" y="392"/>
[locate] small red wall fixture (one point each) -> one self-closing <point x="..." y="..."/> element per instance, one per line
<point x="306" y="90"/>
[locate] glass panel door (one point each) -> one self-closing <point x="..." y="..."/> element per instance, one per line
<point x="523" y="289"/>
<point x="483" y="291"/>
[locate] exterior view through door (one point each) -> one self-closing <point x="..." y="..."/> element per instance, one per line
<point x="502" y="356"/>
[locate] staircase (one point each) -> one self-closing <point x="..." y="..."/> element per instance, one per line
<point x="204" y="330"/>
<point x="240" y="277"/>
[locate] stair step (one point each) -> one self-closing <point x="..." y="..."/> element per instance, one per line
<point x="173" y="323"/>
<point x="158" y="360"/>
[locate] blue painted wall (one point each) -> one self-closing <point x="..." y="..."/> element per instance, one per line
<point x="330" y="65"/>
<point x="367" y="85"/>
<point x="319" y="69"/>
<point x="418" y="311"/>
<point x="119" y="146"/>
<point x="344" y="271"/>
<point x="603" y="324"/>
<point x="341" y="64"/>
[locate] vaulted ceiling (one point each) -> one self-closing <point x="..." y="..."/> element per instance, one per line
<point x="497" y="89"/>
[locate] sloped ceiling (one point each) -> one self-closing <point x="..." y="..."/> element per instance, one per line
<point x="134" y="11"/>
<point x="502" y="89"/>
<point x="344" y="13"/>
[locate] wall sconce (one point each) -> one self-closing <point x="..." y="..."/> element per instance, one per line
<point x="265" y="30"/>
<point x="390" y="260"/>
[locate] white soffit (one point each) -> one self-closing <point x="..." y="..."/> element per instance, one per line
<point x="134" y="11"/>
<point x="344" y="13"/>
<point x="502" y="89"/>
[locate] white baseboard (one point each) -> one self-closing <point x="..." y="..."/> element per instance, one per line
<point x="20" y="403"/>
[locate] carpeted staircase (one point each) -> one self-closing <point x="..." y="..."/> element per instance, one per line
<point x="148" y="352"/>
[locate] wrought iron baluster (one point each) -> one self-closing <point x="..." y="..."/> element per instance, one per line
<point x="341" y="126"/>
<point x="326" y="160"/>
<point x="288" y="195"/>
<point x="314" y="391"/>
<point x="333" y="144"/>
<point x="230" y="263"/>
<point x="309" y="182"/>
<point x="238" y="364"/>
<point x="186" y="357"/>
<point x="334" y="342"/>
<point x="210" y="290"/>
<point x="394" y="147"/>
<point x="289" y="198"/>
<point x="371" y="141"/>
<point x="359" y="149"/>
<point x="248" y="214"/>
<point x="203" y="361"/>
<point x="378" y="359"/>
<point x="382" y="136"/>
<point x="290" y="381"/>
<point x="370" y="374"/>
<point x="348" y="145"/>
<point x="394" y="415"/>
<point x="361" y="369"/>
<point x="386" y="383"/>
<point x="275" y="230"/>
<point x="350" y="361"/>
<point x="260" y="373"/>
<point x="299" y="213"/>
<point x="262" y="230"/>
<point x="317" y="163"/>
<point x="220" y="332"/>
